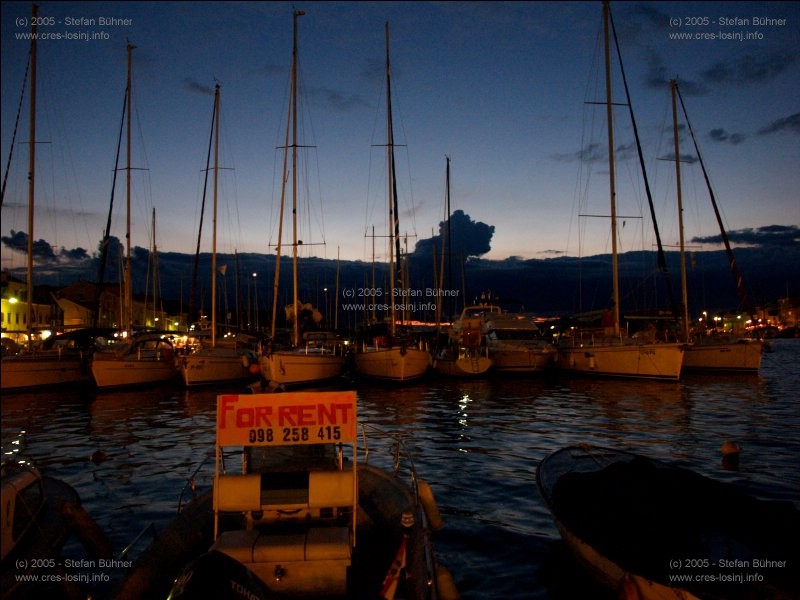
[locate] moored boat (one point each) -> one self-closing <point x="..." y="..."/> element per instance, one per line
<point x="305" y="516"/>
<point x="464" y="351"/>
<point x="211" y="360"/>
<point x="42" y="369"/>
<point x="59" y="360"/>
<point x="318" y="357"/>
<point x="516" y="344"/>
<point x="711" y="353"/>
<point x="39" y="515"/>
<point x="734" y="354"/>
<point x="614" y="354"/>
<point x="304" y="361"/>
<point x="146" y="359"/>
<point x="396" y="355"/>
<point x="652" y="530"/>
<point x="392" y="354"/>
<point x="37" y="368"/>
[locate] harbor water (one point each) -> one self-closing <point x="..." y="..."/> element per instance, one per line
<point x="476" y="442"/>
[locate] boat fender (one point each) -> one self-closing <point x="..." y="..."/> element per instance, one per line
<point x="592" y="362"/>
<point x="245" y="361"/>
<point x="88" y="532"/>
<point x="730" y="454"/>
<point x="254" y="369"/>
<point x="98" y="456"/>
<point x="445" y="584"/>
<point x="429" y="505"/>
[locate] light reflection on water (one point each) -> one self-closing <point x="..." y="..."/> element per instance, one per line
<point x="129" y="454"/>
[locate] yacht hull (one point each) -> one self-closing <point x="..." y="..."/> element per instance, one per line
<point x="733" y="355"/>
<point x="217" y="365"/>
<point x="393" y="364"/>
<point x="36" y="371"/>
<point x="643" y="361"/>
<point x="295" y="368"/>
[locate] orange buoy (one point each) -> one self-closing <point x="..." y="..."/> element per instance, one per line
<point x="429" y="505"/>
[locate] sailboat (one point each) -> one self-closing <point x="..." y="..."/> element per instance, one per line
<point x="216" y="363"/>
<point x="139" y="359"/>
<point x="392" y="354"/>
<point x="719" y="353"/>
<point x="462" y="350"/>
<point x="616" y="355"/>
<point x="314" y="356"/>
<point x="37" y="368"/>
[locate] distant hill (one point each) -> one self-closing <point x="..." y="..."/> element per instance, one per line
<point x="554" y="286"/>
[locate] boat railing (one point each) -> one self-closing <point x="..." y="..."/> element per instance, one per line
<point x="191" y="486"/>
<point x="422" y="495"/>
<point x="149" y="528"/>
<point x="401" y="455"/>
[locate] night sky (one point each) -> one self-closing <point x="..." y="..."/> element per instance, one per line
<point x="503" y="89"/>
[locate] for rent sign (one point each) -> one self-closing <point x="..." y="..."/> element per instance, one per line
<point x="286" y="418"/>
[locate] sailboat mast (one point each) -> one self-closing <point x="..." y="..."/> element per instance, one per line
<point x="394" y="222"/>
<point x="374" y="309"/>
<point x="336" y="302"/>
<point x="449" y="283"/>
<point x="193" y="291"/>
<point x="737" y="276"/>
<point x="214" y="232"/>
<point x="276" y="279"/>
<point x="31" y="178"/>
<point x="296" y="328"/>
<point x="684" y="298"/>
<point x="611" y="174"/>
<point x="155" y="269"/>
<point x="128" y="282"/>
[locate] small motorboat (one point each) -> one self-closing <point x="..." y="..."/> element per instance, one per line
<point x="652" y="530"/>
<point x="304" y="516"/>
<point x="39" y="513"/>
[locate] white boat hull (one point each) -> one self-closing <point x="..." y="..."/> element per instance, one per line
<point x="523" y="360"/>
<point x="462" y="367"/>
<point x="296" y="368"/>
<point x="112" y="372"/>
<point x="643" y="361"/>
<point x="215" y="365"/>
<point x="35" y="371"/>
<point x="393" y="364"/>
<point x="727" y="355"/>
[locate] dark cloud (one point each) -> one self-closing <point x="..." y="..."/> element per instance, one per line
<point x="42" y="250"/>
<point x="18" y="240"/>
<point x="195" y="87"/>
<point x="269" y="71"/>
<point x="625" y="151"/>
<point x="657" y="77"/>
<point x="688" y="159"/>
<point x="790" y="123"/>
<point x="374" y="71"/>
<point x="75" y="254"/>
<point x="593" y="152"/>
<point x="335" y="100"/>
<point x="750" y="68"/>
<point x="771" y="235"/>
<point x="596" y="153"/>
<point x="721" y="135"/>
<point x="468" y="238"/>
<point x="653" y="16"/>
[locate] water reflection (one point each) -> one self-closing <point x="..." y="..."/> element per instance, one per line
<point x="476" y="442"/>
